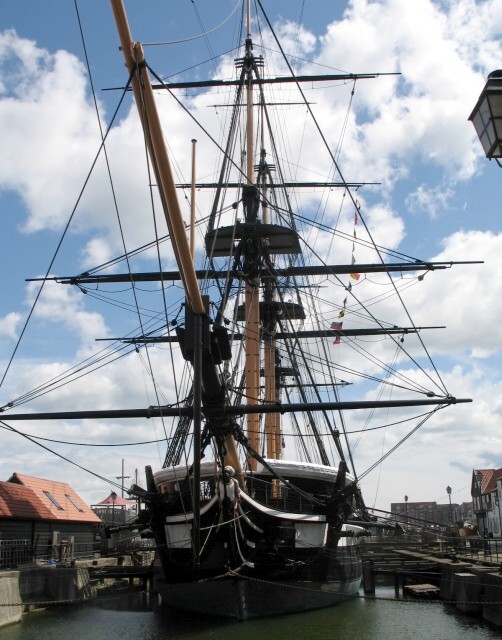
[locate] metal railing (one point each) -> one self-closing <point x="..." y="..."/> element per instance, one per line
<point x="14" y="553"/>
<point x="475" y="547"/>
<point x="134" y="542"/>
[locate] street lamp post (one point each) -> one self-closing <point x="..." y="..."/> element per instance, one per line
<point x="406" y="507"/>
<point x="487" y="117"/>
<point x="497" y="503"/>
<point x="448" y="491"/>
<point x="479" y="480"/>
<point x="114" y="497"/>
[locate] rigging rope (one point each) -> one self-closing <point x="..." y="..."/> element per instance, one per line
<point x="63" y="235"/>
<point x="197" y="37"/>
<point x="343" y="179"/>
<point x="59" y="455"/>
<point x="390" y="451"/>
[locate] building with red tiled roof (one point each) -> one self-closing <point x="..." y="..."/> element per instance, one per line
<point x="19" y="502"/>
<point x="486" y="491"/>
<point x="46" y="515"/>
<point x="62" y="501"/>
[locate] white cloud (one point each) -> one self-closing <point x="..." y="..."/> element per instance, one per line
<point x="429" y="201"/>
<point x="48" y="128"/>
<point x="397" y="127"/>
<point x="61" y="305"/>
<point x="443" y="451"/>
<point x="9" y="325"/>
<point x="422" y="112"/>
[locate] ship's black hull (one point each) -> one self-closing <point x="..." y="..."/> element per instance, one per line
<point x="243" y="598"/>
<point x="260" y="555"/>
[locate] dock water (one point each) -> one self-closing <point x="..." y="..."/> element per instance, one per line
<point x="473" y="586"/>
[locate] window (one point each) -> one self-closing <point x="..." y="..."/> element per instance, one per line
<point x="53" y="500"/>
<point x="74" y="503"/>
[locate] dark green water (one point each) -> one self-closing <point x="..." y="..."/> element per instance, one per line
<point x="359" y="619"/>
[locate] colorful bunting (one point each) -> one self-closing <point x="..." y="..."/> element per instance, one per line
<point x="336" y="326"/>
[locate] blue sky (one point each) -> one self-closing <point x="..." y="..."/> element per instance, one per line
<point x="439" y="197"/>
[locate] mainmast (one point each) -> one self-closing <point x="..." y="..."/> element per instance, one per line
<point x="259" y="315"/>
<point x="252" y="289"/>
<point x="254" y="242"/>
<point x="272" y="420"/>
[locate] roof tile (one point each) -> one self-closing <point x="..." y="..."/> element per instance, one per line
<point x="20" y="502"/>
<point x="58" y="499"/>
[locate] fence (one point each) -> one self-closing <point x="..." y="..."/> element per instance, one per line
<point x="132" y="542"/>
<point x="475" y="547"/>
<point x="16" y="552"/>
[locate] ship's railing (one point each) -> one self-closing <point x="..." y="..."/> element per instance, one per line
<point x="269" y="492"/>
<point x="278" y="496"/>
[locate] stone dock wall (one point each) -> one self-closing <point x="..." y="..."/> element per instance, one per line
<point x="30" y="585"/>
<point x="35" y="584"/>
<point x="476" y="590"/>
<point x="11" y="605"/>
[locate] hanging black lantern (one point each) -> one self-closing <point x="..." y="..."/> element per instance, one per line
<point x="487" y="116"/>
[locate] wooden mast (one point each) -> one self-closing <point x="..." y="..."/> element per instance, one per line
<point x="192" y="203"/>
<point x="252" y="290"/>
<point x="145" y="101"/>
<point x="272" y="420"/>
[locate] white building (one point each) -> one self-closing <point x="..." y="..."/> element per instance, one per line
<point x="486" y="491"/>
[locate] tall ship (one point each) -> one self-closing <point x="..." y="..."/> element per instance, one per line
<point x="278" y="339"/>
